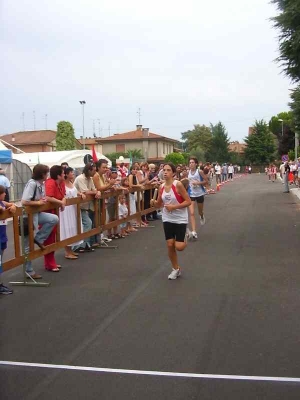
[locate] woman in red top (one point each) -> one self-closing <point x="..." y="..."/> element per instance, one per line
<point x="55" y="192"/>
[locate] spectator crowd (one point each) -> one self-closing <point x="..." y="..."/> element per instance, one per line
<point x="57" y="184"/>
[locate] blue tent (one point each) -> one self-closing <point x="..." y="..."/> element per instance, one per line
<point x="5" y="156"/>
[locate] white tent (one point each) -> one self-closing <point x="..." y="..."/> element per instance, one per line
<point x="73" y="157"/>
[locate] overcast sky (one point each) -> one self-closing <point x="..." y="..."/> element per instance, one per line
<point x="181" y="63"/>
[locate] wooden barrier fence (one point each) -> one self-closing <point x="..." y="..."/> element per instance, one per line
<point x="100" y="226"/>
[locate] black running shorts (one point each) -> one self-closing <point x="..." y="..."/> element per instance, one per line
<point x="175" y="231"/>
<point x="199" y="199"/>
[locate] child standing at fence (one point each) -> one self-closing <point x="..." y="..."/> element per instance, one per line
<point x="123" y="213"/>
<point x="3" y="237"/>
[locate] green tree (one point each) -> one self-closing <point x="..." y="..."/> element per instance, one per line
<point x="236" y="158"/>
<point x="219" y="150"/>
<point x="295" y="107"/>
<point x="135" y="154"/>
<point x="114" y="156"/>
<point x="65" y="136"/>
<point x="199" y="153"/>
<point x="284" y="131"/>
<point x="260" y="144"/>
<point x="175" y="158"/>
<point x="200" y="136"/>
<point x="288" y="23"/>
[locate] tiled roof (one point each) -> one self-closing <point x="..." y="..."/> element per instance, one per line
<point x="135" y="135"/>
<point x="30" y="137"/>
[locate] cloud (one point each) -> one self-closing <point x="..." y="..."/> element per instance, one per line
<point x="182" y="63"/>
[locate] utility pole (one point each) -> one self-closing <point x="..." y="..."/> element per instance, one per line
<point x="82" y="102"/>
<point x="139" y="115"/>
<point x="109" y="128"/>
<point x="94" y="132"/>
<point x="99" y="127"/>
<point x="46" y="125"/>
<point x="23" y="121"/>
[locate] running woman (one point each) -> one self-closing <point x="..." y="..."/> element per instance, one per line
<point x="174" y="200"/>
<point x="197" y="182"/>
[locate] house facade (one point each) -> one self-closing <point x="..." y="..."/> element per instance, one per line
<point x="237" y="147"/>
<point x="154" y="147"/>
<point x="32" y="141"/>
<point x="88" y="143"/>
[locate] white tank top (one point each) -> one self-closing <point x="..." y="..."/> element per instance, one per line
<point x="196" y="191"/>
<point x="178" y="216"/>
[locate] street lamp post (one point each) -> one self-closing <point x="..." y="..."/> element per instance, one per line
<point x="82" y="102"/>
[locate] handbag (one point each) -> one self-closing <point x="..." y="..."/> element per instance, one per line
<point x="25" y="218"/>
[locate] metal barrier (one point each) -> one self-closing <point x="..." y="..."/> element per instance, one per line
<point x="100" y="215"/>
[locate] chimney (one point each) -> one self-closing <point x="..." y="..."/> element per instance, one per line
<point x="13" y="138"/>
<point x="139" y="127"/>
<point x="145" y="132"/>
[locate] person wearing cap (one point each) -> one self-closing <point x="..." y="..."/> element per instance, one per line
<point x="4" y="181"/>
<point x="123" y="170"/>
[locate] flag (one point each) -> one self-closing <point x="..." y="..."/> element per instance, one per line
<point x="94" y="155"/>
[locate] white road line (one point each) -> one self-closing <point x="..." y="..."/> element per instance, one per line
<point x="151" y="373"/>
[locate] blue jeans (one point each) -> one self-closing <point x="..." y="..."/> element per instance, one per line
<point x="96" y="238"/>
<point x="87" y="226"/>
<point x="48" y="221"/>
<point x="286" y="182"/>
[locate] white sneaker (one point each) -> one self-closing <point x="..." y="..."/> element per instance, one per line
<point x="174" y="274"/>
<point x="202" y="220"/>
<point x="188" y="235"/>
<point x="194" y="235"/>
<point x="105" y="238"/>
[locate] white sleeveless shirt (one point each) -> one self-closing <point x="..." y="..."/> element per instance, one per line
<point x="178" y="216"/>
<point x="196" y="190"/>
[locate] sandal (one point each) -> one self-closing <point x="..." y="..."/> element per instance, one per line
<point x="52" y="270"/>
<point x="71" y="257"/>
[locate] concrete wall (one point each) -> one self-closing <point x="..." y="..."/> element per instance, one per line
<point x="150" y="148"/>
<point x="32" y="148"/>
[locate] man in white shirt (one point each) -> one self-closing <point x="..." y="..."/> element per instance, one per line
<point x="230" y="172"/>
<point x="218" y="173"/>
<point x="282" y="169"/>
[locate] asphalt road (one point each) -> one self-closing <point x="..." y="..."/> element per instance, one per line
<point x="233" y="312"/>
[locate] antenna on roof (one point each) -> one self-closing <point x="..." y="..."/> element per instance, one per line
<point x="139" y="115"/>
<point x="94" y="132"/>
<point x="99" y="127"/>
<point x="34" y="120"/>
<point x="23" y="121"/>
<point x="46" y="116"/>
<point x="109" y="128"/>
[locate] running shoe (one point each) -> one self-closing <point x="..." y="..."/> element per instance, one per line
<point x="202" y="220"/>
<point x="188" y="235"/>
<point x="105" y="239"/>
<point x="194" y="235"/>
<point x="6" y="290"/>
<point x="174" y="274"/>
